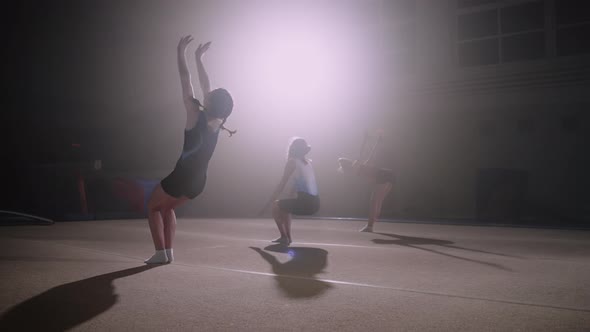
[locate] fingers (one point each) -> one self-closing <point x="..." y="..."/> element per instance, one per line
<point x="185" y="40"/>
<point x="202" y="48"/>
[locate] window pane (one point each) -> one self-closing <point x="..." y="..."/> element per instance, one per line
<point x="476" y="25"/>
<point x="572" y="11"/>
<point x="523" y="46"/>
<point x="573" y="40"/>
<point x="481" y="52"/>
<point x="528" y="16"/>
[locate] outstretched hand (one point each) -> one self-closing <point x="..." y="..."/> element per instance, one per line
<point x="183" y="43"/>
<point x="201" y="49"/>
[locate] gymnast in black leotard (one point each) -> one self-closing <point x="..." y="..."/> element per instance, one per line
<point x="190" y="173"/>
<point x="187" y="180"/>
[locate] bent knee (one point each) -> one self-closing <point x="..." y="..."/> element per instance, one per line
<point x="154" y="206"/>
<point x="276" y="208"/>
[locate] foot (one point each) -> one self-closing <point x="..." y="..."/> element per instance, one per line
<point x="170" y="255"/>
<point x="367" y="229"/>
<point x="282" y="240"/>
<point x="159" y="257"/>
<point x="279" y="240"/>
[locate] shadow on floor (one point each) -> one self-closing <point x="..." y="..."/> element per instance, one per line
<point x="68" y="305"/>
<point x="297" y="276"/>
<point x="415" y="242"/>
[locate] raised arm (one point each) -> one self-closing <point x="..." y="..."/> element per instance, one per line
<point x="289" y="169"/>
<point x="203" y="77"/>
<point x="371" y="158"/>
<point x="185" y="76"/>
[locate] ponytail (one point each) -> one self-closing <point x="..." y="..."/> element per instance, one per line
<point x="230" y="132"/>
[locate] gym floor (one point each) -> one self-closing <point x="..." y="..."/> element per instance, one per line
<point x="227" y="276"/>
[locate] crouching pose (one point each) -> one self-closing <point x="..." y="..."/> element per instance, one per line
<point x="300" y="178"/>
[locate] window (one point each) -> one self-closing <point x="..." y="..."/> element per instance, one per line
<point x="529" y="16"/>
<point x="477" y="25"/>
<point x="523" y="46"/>
<point x="491" y="32"/>
<point x="481" y="52"/>
<point x="573" y="27"/>
<point x="572" y="11"/>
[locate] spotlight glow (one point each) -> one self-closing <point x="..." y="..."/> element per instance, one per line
<point x="301" y="59"/>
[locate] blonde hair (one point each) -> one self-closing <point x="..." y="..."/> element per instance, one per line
<point x="298" y="148"/>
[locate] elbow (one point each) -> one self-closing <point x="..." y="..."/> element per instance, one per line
<point x="189" y="98"/>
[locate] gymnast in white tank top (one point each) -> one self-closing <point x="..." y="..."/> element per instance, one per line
<point x="299" y="178"/>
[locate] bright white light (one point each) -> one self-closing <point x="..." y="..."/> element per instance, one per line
<point x="296" y="65"/>
<point x="300" y="61"/>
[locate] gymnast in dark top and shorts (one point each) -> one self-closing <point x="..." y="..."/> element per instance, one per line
<point x="187" y="180"/>
<point x="382" y="180"/>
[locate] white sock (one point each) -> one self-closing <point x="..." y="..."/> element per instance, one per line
<point x="158" y="258"/>
<point x="170" y="254"/>
<point x="368" y="229"/>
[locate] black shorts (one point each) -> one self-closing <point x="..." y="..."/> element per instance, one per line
<point x="184" y="183"/>
<point x="304" y="205"/>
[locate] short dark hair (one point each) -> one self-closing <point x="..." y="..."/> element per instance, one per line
<point x="220" y="104"/>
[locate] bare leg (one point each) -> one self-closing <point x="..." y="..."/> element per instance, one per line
<point x="376" y="203"/>
<point x="155" y="217"/>
<point x="277" y="216"/>
<point x="156" y="228"/>
<point x="287" y="225"/>
<point x="283" y="221"/>
<point x="169" y="227"/>
<point x="161" y="228"/>
<point x="170" y="222"/>
<point x="169" y="232"/>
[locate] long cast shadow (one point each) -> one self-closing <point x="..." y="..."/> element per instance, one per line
<point x="414" y="242"/>
<point x="297" y="277"/>
<point x="404" y="240"/>
<point x="66" y="306"/>
<point x="55" y="259"/>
